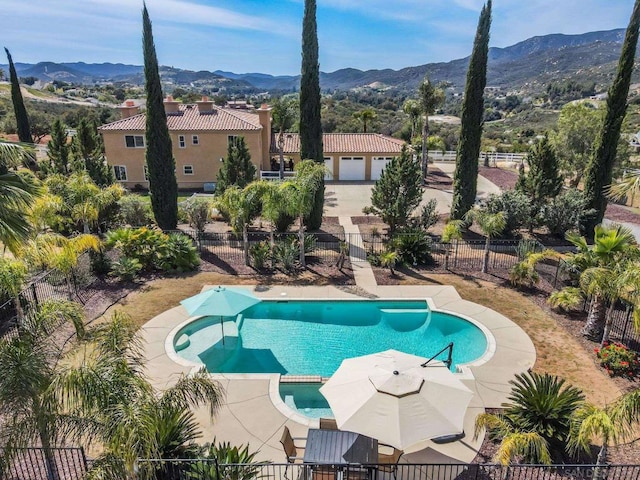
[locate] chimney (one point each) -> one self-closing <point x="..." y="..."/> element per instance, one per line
<point x="205" y="105"/>
<point x="264" y="116"/>
<point x="170" y="105"/>
<point x="128" y="109"/>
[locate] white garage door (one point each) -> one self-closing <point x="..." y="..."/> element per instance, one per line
<point x="328" y="164"/>
<point x="377" y="165"/>
<point x="351" y="168"/>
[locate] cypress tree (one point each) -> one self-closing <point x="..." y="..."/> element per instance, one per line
<point x="465" y="180"/>
<point x="159" y="155"/>
<point x="600" y="168"/>
<point x="237" y="168"/>
<point x="310" y="124"/>
<point x="58" y="148"/>
<point x="22" y="120"/>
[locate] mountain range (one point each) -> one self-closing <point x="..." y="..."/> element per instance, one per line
<point x="525" y="66"/>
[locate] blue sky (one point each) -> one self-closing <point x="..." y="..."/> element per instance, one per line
<point x="264" y="35"/>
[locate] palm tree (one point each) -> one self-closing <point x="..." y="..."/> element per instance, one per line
<point x="597" y="267"/>
<point x="491" y="224"/>
<point x="535" y="420"/>
<point x="242" y="206"/>
<point x="31" y="411"/>
<point x="610" y="425"/>
<point x="430" y="98"/>
<point x="123" y="410"/>
<point x="452" y="231"/>
<point x="51" y="250"/>
<point x="13" y="274"/>
<point x="300" y="195"/>
<point x="366" y="115"/>
<point x="17" y="193"/>
<point x="283" y="112"/>
<point x="412" y="108"/>
<point x="388" y="260"/>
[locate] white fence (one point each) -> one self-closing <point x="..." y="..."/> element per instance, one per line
<point x="492" y="157"/>
<point x="275" y="175"/>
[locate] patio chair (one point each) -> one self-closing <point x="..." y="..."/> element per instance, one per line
<point x="388" y="458"/>
<point x="328" y="424"/>
<point x="324" y="472"/>
<point x="291" y="450"/>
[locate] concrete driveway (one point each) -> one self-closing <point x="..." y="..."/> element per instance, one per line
<point x="347" y="199"/>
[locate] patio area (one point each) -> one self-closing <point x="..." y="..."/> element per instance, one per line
<point x="251" y="415"/>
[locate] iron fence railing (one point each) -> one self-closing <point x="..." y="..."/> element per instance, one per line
<point x="32" y="464"/>
<point x="210" y="469"/>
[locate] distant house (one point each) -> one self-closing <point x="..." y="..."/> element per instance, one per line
<point x="634" y="142"/>
<point x="201" y="133"/>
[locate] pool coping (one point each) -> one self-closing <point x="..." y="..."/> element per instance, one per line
<point x="250" y="413"/>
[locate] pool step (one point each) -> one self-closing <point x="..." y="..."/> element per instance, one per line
<point x="300" y="379"/>
<point x="404" y="310"/>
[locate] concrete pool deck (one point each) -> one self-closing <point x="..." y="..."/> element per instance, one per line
<point x="250" y="416"/>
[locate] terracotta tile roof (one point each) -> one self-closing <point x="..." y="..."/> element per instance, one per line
<point x="189" y="118"/>
<point x="345" y="143"/>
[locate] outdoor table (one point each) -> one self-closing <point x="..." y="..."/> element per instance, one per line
<point x="340" y="448"/>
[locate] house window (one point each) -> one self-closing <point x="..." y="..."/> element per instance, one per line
<point x="120" y="172"/>
<point x="195" y="140"/>
<point x="146" y="172"/>
<point x="232" y="139"/>
<point x="187" y="169"/>
<point x="181" y="141"/>
<point x="134" y="141"/>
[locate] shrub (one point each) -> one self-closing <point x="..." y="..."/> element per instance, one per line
<point x="569" y="298"/>
<point x="563" y="213"/>
<point x="524" y="274"/>
<point x="259" y="254"/>
<point x="413" y="247"/>
<point x="178" y="254"/>
<point x="144" y="244"/>
<point x="241" y="461"/>
<point x="428" y="216"/>
<point x="516" y="207"/>
<point x="198" y="213"/>
<point x="618" y="360"/>
<point x="286" y="254"/>
<point x="126" y="268"/>
<point x="134" y="210"/>
<point x="100" y="263"/>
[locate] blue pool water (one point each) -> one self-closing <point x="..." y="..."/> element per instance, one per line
<point x="313" y="337"/>
<point x="306" y="399"/>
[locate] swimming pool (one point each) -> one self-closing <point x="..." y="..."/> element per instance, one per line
<point x="309" y="337"/>
<point x="306" y="399"/>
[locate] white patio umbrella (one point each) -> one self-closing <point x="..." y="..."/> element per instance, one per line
<point x="220" y="301"/>
<point x="389" y="396"/>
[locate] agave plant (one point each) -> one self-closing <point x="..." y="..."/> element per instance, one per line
<point x="231" y="463"/>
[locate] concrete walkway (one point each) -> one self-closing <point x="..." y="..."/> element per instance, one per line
<point x="253" y="412"/>
<point x="362" y="271"/>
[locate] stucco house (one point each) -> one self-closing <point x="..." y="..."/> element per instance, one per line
<point x="201" y="133"/>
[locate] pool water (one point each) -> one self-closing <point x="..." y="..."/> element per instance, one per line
<point x="313" y="337"/>
<point x="306" y="399"/>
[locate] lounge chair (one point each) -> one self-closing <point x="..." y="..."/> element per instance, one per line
<point x="388" y="458"/>
<point x="328" y="424"/>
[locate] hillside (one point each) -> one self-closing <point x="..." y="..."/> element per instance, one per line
<point x="526" y="66"/>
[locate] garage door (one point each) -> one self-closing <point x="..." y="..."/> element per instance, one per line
<point x="328" y="164"/>
<point x="351" y="168"/>
<point x="377" y="165"/>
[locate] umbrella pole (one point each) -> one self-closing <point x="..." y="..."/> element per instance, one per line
<point x="222" y="327"/>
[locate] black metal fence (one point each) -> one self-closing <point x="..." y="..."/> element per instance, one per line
<point x="31" y="464"/>
<point x="51" y="285"/>
<point x="210" y="469"/>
